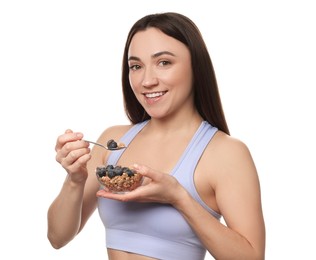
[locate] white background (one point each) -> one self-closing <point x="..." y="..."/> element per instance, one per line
<point x="60" y="67"/>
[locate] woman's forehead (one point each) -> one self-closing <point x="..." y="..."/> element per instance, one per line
<point x="151" y="41"/>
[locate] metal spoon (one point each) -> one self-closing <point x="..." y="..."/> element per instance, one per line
<point x="119" y="146"/>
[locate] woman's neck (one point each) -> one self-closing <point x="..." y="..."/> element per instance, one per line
<point x="168" y="126"/>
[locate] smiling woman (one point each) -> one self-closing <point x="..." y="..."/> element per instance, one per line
<point x="194" y="173"/>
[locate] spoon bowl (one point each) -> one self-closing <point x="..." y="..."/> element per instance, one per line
<point x="116" y="147"/>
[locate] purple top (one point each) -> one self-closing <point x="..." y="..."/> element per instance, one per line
<point x="153" y="229"/>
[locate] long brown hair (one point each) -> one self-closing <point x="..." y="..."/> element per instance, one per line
<point x="206" y="95"/>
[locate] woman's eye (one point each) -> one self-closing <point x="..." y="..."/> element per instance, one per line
<point x="134" y="67"/>
<point x="164" y="63"/>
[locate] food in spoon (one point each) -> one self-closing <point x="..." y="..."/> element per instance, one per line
<point x="118" y="179"/>
<point x="112" y="145"/>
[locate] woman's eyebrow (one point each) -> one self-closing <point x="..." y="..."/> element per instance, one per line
<point x="153" y="56"/>
<point x="133" y="58"/>
<point x="162" y="53"/>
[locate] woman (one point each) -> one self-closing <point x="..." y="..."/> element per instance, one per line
<point x="195" y="172"/>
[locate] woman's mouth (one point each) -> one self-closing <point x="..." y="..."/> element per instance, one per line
<point x="155" y="94"/>
<point x="153" y="97"/>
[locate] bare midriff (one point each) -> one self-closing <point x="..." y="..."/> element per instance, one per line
<point x="123" y="255"/>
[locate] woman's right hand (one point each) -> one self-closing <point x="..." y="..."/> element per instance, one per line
<point x="73" y="154"/>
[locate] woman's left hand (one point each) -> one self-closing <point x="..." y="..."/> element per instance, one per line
<point x="157" y="187"/>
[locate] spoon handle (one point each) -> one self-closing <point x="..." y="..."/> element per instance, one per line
<point x="101" y="145"/>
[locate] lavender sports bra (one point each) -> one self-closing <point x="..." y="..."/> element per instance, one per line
<point x="153" y="229"/>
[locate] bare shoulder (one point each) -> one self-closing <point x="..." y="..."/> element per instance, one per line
<point x="231" y="160"/>
<point x="229" y="148"/>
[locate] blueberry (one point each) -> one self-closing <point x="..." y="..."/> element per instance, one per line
<point x="111" y="144"/>
<point x="109" y="167"/>
<point x="128" y="171"/>
<point x="118" y="170"/>
<point x="101" y="171"/>
<point x="111" y="173"/>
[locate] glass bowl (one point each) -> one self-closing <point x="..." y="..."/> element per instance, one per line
<point x="118" y="179"/>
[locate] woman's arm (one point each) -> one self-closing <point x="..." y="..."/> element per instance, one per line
<point x="238" y="199"/>
<point x="76" y="201"/>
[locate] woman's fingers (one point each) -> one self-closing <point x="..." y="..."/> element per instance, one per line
<point x="68" y="136"/>
<point x="80" y="163"/>
<point x="147" y="172"/>
<point x="71" y="152"/>
<point x="135" y="195"/>
<point x="74" y="155"/>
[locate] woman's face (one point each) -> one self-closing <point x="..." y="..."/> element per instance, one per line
<point x="160" y="73"/>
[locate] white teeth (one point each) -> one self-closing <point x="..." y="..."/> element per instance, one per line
<point x="153" y="95"/>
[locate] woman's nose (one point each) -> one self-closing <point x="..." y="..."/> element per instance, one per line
<point x="150" y="78"/>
